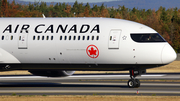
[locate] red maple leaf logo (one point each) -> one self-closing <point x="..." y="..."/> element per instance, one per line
<point x="92" y="51"/>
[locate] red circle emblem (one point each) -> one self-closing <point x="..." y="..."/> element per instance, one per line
<point x="92" y="51"/>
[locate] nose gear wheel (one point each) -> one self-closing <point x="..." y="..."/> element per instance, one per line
<point x="132" y="83"/>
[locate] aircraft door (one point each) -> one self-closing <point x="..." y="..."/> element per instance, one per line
<point x="22" y="41"/>
<point x="114" y="38"/>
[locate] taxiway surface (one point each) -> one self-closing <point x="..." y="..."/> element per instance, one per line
<point x="90" y="84"/>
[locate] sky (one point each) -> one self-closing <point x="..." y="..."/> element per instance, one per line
<point x="81" y="1"/>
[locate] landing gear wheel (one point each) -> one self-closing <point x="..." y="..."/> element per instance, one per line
<point x="131" y="83"/>
<point x="137" y="83"/>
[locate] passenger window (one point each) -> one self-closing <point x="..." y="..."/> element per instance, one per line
<point x="11" y="37"/>
<point x="69" y="37"/>
<point x="83" y="37"/>
<point x="74" y="38"/>
<point x="42" y="37"/>
<point x="38" y="37"/>
<point x="51" y="37"/>
<point x="19" y="37"/>
<point x="97" y="38"/>
<point x="79" y="37"/>
<point x="60" y="38"/>
<point x="3" y="37"/>
<point x="47" y="38"/>
<point x="110" y="37"/>
<point x="92" y="37"/>
<point x="65" y="37"/>
<point x="87" y="37"/>
<point x="34" y="37"/>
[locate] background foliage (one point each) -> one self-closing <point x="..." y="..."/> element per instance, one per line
<point x="165" y="21"/>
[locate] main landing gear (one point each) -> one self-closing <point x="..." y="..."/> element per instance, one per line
<point x="135" y="83"/>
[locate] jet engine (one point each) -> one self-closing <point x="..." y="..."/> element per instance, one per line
<point x="52" y="73"/>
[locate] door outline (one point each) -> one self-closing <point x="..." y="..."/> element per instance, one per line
<point x="114" y="39"/>
<point x="23" y="41"/>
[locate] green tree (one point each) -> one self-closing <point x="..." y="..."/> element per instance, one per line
<point x="102" y="7"/>
<point x="43" y="7"/>
<point x="134" y="10"/>
<point x="30" y="7"/>
<point x="95" y="8"/>
<point x="88" y="9"/>
<point x="75" y="7"/>
<point x="164" y="16"/>
<point x="80" y="10"/>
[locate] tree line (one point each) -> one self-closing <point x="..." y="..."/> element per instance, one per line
<point x="165" y="21"/>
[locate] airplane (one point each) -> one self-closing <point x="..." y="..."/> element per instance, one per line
<point x="57" y="47"/>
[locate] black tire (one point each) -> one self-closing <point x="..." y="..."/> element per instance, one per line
<point x="131" y="83"/>
<point x="137" y="83"/>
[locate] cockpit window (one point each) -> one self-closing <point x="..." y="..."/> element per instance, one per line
<point x="154" y="37"/>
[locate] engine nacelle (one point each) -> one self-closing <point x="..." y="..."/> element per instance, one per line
<point x="52" y="73"/>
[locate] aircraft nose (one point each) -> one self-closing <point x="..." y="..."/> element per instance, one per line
<point x="168" y="54"/>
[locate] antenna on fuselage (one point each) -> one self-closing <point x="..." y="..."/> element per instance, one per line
<point x="43" y="16"/>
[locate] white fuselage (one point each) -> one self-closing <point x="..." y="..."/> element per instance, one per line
<point x="78" y="41"/>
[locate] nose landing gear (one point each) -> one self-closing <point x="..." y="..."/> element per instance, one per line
<point x="133" y="83"/>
